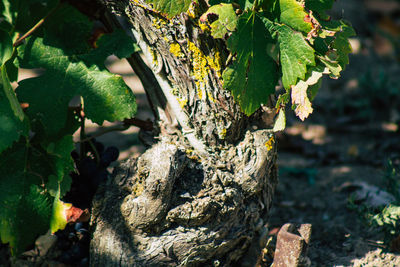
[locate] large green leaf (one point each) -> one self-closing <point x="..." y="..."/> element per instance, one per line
<point x="6" y="47"/>
<point x="295" y="55"/>
<point x="342" y="45"/>
<point x="244" y="4"/>
<point x="117" y="43"/>
<point x="73" y="69"/>
<point x="253" y="75"/>
<point x="13" y="122"/>
<point x="22" y="15"/>
<point x="25" y="210"/>
<point x="171" y="8"/>
<point x="26" y="168"/>
<point x="319" y="6"/>
<point x="335" y="49"/>
<point x="293" y="15"/>
<point x="226" y="20"/>
<point x="8" y="12"/>
<point x="62" y="164"/>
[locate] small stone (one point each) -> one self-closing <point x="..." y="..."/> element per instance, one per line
<point x="291" y="246"/>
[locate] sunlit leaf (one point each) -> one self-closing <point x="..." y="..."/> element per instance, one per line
<point x="253" y="75"/>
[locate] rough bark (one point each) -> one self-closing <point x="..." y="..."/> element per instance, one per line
<point x="200" y="193"/>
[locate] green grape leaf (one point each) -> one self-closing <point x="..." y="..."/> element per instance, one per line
<point x="53" y="185"/>
<point x="244" y="4"/>
<point x="283" y="100"/>
<point x="226" y="19"/>
<point x="295" y="55"/>
<point x="12" y="70"/>
<point x="25" y="210"/>
<point x="333" y="66"/>
<point x="293" y="15"/>
<point x="319" y="6"/>
<point x="26" y="168"/>
<point x="7" y="12"/>
<point x="22" y="15"/>
<point x="342" y="45"/>
<point x="68" y="29"/>
<point x="271" y="8"/>
<point x="58" y="219"/>
<point x="6" y="47"/>
<point x="70" y="71"/>
<point x="63" y="213"/>
<point x="171" y="8"/>
<point x="13" y="122"/>
<point x="117" y="43"/>
<point x="338" y="44"/>
<point x="280" y="122"/>
<point x="253" y="75"/>
<point x="60" y="154"/>
<point x="300" y="92"/>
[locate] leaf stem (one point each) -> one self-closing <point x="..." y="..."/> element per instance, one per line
<point x="34" y="28"/>
<point x="108" y="130"/>
<point x="142" y="124"/>
<point x="94" y="149"/>
<point x="82" y="133"/>
<point x="145" y="125"/>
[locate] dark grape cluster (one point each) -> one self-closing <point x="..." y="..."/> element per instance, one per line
<point x="73" y="242"/>
<point x="91" y="171"/>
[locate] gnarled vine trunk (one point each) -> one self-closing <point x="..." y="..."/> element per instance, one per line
<point x="200" y="193"/>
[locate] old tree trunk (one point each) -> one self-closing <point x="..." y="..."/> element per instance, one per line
<point x="204" y="187"/>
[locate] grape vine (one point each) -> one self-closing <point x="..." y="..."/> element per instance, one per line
<point x="36" y="120"/>
<point x="292" y="41"/>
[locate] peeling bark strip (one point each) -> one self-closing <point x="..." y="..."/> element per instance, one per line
<point x="177" y="206"/>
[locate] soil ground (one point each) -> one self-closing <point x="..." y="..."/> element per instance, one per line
<point x="349" y="139"/>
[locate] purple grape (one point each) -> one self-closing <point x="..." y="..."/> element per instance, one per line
<point x="87" y="167"/>
<point x="77" y="252"/>
<point x="111" y="154"/>
<point x="67" y="258"/>
<point x="99" y="146"/>
<point x="100" y="176"/>
<point x="84" y="262"/>
<point x="78" y="226"/>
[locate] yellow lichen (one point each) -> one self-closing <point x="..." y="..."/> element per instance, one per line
<point x="199" y="90"/>
<point x="191" y="155"/>
<point x="204" y="27"/>
<point x="215" y="62"/>
<point x="202" y="65"/>
<point x="153" y="56"/>
<point x="222" y="133"/>
<point x="210" y="97"/>
<point x="175" y="49"/>
<point x="175" y="91"/>
<point x="269" y="143"/>
<point x="182" y="102"/>
<point x="137" y="190"/>
<point x="158" y="22"/>
<point x="193" y="10"/>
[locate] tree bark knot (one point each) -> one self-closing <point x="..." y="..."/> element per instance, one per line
<point x="170" y="208"/>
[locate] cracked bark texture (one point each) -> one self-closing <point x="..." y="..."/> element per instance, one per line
<point x="198" y="195"/>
